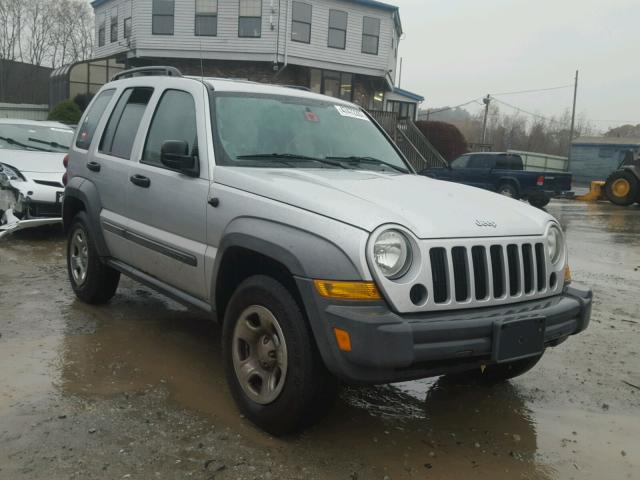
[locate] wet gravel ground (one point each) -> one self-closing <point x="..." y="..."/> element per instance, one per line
<point x="135" y="389"/>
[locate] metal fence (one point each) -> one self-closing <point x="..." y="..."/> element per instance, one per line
<point x="542" y="162"/>
<point x="24" y="111"/>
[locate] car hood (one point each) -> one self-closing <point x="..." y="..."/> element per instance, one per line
<point x="366" y="199"/>
<point x="34" y="163"/>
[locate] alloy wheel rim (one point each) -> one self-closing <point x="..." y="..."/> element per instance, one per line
<point x="621" y="187"/>
<point x="259" y="354"/>
<point x="79" y="256"/>
<point x="506" y="192"/>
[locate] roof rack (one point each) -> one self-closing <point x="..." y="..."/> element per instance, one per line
<point x="148" y="71"/>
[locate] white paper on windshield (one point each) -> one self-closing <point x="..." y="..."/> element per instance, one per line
<point x="351" y="112"/>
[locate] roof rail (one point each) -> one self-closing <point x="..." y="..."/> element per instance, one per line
<point x="147" y="71"/>
<point x="298" y="87"/>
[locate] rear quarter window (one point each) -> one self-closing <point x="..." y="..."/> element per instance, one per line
<point x="90" y="123"/>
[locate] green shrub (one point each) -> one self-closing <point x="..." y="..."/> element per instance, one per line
<point x="66" y="112"/>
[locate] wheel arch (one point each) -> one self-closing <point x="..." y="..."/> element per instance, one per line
<point x="82" y="195"/>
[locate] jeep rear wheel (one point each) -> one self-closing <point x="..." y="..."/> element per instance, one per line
<point x="273" y="369"/>
<point x="92" y="281"/>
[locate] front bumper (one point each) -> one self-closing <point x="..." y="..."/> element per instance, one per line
<point x="388" y="347"/>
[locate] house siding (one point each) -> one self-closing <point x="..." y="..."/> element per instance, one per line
<point x="274" y="45"/>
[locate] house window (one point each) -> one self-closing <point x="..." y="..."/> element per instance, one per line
<point x="333" y="84"/>
<point x="301" y="22"/>
<point x="370" y="35"/>
<point x="207" y="17"/>
<point x="127" y="27"/>
<point x="101" y="33"/>
<point x="163" y="15"/>
<point x="403" y="109"/>
<point x="114" y="25"/>
<point x="250" y="19"/>
<point x="337" y="29"/>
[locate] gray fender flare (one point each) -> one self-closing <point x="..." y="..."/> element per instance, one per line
<point x="86" y="192"/>
<point x="303" y="253"/>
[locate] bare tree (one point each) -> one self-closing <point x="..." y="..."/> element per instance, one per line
<point x="39" y="24"/>
<point x="12" y="14"/>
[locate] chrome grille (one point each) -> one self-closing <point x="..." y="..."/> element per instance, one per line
<point x="478" y="272"/>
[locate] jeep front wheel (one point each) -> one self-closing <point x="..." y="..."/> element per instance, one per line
<point x="92" y="281"/>
<point x="273" y="368"/>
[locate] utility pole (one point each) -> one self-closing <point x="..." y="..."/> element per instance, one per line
<point x="486" y="100"/>
<point x="573" y="120"/>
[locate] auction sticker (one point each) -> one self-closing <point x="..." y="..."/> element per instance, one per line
<point x="351" y="112"/>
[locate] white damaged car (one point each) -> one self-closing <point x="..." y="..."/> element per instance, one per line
<point x="32" y="157"/>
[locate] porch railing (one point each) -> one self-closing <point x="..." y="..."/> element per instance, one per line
<point x="410" y="140"/>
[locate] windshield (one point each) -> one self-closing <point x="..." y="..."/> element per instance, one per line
<point x="461" y="162"/>
<point x="16" y="136"/>
<point x="293" y="132"/>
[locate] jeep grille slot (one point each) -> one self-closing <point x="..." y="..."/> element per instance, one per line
<point x="439" y="273"/>
<point x="480" y="277"/>
<point x="460" y="273"/>
<point x="540" y="267"/>
<point x="527" y="266"/>
<point x="514" y="269"/>
<point x="497" y="271"/>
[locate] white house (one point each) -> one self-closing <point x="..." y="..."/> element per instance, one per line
<point x="343" y="48"/>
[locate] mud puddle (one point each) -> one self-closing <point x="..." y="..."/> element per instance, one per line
<point x="135" y="389"/>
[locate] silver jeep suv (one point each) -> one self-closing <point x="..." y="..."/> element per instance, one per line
<point x="294" y="220"/>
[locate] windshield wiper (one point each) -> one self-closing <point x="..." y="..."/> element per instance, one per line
<point x="290" y="156"/>
<point x="46" y="142"/>
<point x="11" y="141"/>
<point x="371" y="160"/>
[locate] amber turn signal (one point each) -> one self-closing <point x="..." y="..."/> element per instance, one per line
<point x="343" y="338"/>
<point x="567" y="274"/>
<point x="347" y="290"/>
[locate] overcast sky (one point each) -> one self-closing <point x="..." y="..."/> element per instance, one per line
<point x="457" y="50"/>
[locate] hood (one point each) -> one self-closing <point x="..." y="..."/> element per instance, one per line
<point x="31" y="162"/>
<point x="365" y="199"/>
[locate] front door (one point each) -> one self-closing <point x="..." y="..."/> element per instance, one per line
<point x="167" y="209"/>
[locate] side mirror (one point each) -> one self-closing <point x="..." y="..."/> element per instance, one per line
<point x="174" y="154"/>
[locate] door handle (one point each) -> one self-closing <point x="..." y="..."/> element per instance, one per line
<point x="93" y="166"/>
<point x="140" y="181"/>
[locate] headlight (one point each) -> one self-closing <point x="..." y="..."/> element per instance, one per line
<point x="392" y="254"/>
<point x="11" y="173"/>
<point x="555" y="241"/>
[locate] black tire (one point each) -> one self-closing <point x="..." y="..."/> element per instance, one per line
<point x="495" y="373"/>
<point x="100" y="281"/>
<point x="508" y="190"/>
<point x="308" y="389"/>
<point x="539" y="201"/>
<point x="629" y="192"/>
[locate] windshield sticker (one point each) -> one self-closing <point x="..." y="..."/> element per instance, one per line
<point x="61" y="130"/>
<point x="351" y="112"/>
<point x="311" y="116"/>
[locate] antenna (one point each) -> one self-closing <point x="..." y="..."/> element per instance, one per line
<point x="201" y="63"/>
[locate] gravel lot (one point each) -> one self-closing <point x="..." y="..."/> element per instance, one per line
<point x="135" y="389"/>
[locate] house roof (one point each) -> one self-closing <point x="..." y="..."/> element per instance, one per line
<point x="406" y="93"/>
<point x="610" y="141"/>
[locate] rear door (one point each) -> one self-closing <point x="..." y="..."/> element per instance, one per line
<point x="110" y="165"/>
<point x="167" y="209"/>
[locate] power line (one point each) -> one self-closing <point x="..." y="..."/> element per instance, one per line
<point x="518" y="92"/>
<point x="521" y="110"/>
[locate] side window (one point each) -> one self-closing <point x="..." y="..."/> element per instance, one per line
<point x="481" y="161"/>
<point x="502" y="162"/>
<point x="90" y="123"/>
<point x="515" y="163"/>
<point x="122" y="128"/>
<point x="174" y="119"/>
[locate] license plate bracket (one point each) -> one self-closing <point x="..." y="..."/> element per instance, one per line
<point x="518" y="339"/>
